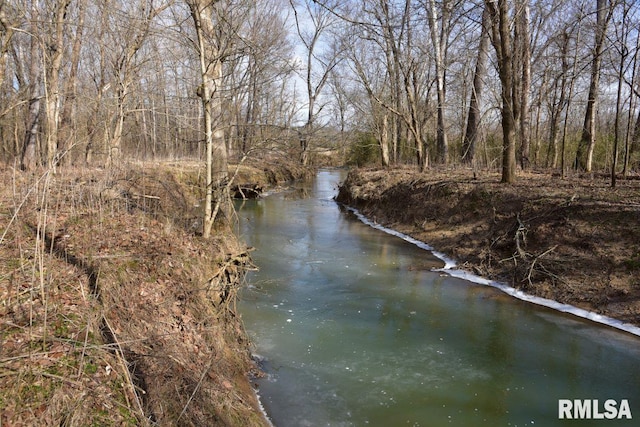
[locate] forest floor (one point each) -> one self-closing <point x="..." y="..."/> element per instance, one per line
<point x="113" y="310"/>
<point x="574" y="240"/>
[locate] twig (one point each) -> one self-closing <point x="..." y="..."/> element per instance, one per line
<point x="125" y="368"/>
<point x="195" y="390"/>
<point x="146" y="196"/>
<point x="60" y="378"/>
<point x="533" y="263"/>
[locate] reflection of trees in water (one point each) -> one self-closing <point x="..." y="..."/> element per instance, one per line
<point x="297" y="193"/>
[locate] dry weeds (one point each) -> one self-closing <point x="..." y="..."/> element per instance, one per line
<point x="112" y="310"/>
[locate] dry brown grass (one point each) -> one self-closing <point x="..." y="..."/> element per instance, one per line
<point x="112" y="310"/>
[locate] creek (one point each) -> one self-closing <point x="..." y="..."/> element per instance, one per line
<point x="354" y="328"/>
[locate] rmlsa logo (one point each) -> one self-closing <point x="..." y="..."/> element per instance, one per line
<point x="591" y="409"/>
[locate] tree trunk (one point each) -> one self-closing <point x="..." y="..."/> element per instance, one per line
<point x="31" y="135"/>
<point x="616" y="132"/>
<point x="632" y="105"/>
<point x="525" y="85"/>
<point x="439" y="41"/>
<point x="558" y="108"/>
<point x="211" y="73"/>
<point x="28" y="161"/>
<point x="635" y="138"/>
<point x="55" y="51"/>
<point x="384" y="140"/>
<point x="565" y="126"/>
<point x="6" y="34"/>
<point x="70" y="92"/>
<point x="503" y="44"/>
<point x="115" y="143"/>
<point x="584" y="154"/>
<point x="124" y="74"/>
<point x="474" y="116"/>
<point x="624" y="52"/>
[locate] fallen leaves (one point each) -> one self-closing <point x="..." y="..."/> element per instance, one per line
<point x="107" y="300"/>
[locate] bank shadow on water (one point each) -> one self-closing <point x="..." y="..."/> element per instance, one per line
<point x="449" y="268"/>
<point x="355" y="328"/>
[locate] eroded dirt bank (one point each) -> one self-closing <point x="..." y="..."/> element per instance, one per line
<point x="576" y="241"/>
<point x="113" y="310"/>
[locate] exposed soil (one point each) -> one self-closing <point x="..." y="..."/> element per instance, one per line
<point x="573" y="240"/>
<point x="113" y="310"/>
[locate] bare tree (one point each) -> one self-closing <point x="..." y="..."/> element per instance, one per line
<point x="557" y="99"/>
<point x="572" y="81"/>
<point x="563" y="47"/>
<point x="124" y="68"/>
<point x="628" y="142"/>
<point x="34" y="81"/>
<point x="97" y="126"/>
<point x="67" y="115"/>
<point x="523" y="83"/>
<point x="202" y="13"/>
<point x="623" y="28"/>
<point x="403" y="91"/>
<point x="373" y="83"/>
<point x="260" y="74"/>
<point x="584" y="154"/>
<point x="473" y="118"/>
<point x="502" y="40"/>
<point x="389" y="34"/>
<point x="439" y="29"/>
<point x="6" y="34"/>
<point x="318" y="65"/>
<point x="54" y="54"/>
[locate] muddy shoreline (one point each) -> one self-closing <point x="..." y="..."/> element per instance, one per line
<point x="575" y="241"/>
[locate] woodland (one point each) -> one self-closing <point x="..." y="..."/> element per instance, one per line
<point x="498" y="84"/>
<point x="496" y="129"/>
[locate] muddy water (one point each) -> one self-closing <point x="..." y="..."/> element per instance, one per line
<point x="354" y="329"/>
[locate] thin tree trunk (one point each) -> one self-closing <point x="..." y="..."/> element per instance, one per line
<point x="124" y="77"/>
<point x="31" y="136"/>
<point x="393" y="62"/>
<point x="28" y="160"/>
<point x="94" y="125"/>
<point x="632" y="104"/>
<point x="115" y="142"/>
<point x="623" y="58"/>
<point x="568" y="108"/>
<point x="71" y="89"/>
<point x="557" y="108"/>
<point x="525" y="86"/>
<point x="616" y="132"/>
<point x="6" y="34"/>
<point x="384" y="140"/>
<point x="211" y="72"/>
<point x="442" y="143"/>
<point x="584" y="154"/>
<point x="473" y="119"/>
<point x="55" y="51"/>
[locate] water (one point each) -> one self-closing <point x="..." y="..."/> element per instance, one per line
<point x="354" y="329"/>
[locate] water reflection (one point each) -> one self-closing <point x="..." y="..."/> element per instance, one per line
<point x="354" y="334"/>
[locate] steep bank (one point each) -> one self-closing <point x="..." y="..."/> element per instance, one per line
<point x="114" y="311"/>
<point x="576" y="241"/>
